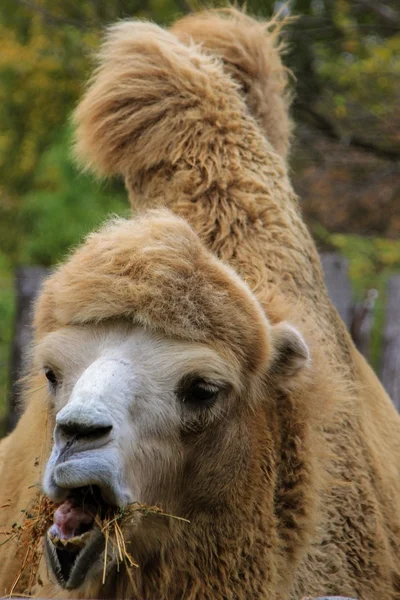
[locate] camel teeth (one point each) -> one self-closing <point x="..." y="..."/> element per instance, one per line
<point x="75" y="543"/>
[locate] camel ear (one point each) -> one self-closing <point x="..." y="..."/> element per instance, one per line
<point x="290" y="351"/>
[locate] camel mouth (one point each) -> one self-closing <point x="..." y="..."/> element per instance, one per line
<point x="75" y="540"/>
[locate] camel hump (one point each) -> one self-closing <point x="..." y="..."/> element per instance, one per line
<point x="251" y="52"/>
<point x="151" y="101"/>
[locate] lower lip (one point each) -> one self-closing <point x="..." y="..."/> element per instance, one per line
<point x="69" y="565"/>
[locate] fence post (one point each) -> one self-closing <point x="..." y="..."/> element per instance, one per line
<point x="362" y="323"/>
<point x="27" y="284"/>
<point x="338" y="283"/>
<point x="390" y="372"/>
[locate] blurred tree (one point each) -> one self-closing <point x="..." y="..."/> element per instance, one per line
<point x="345" y="55"/>
<point x="63" y="206"/>
<point x="45" y="59"/>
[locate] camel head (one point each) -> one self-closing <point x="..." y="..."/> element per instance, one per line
<point x="160" y="367"/>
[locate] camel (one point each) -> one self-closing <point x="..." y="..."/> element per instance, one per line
<point x="255" y="418"/>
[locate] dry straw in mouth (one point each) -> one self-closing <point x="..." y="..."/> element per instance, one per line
<point x="38" y="518"/>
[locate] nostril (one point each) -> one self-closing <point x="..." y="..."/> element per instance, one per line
<point x="84" y="430"/>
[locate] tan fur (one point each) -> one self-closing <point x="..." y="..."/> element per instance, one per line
<point x="312" y="505"/>
<point x="147" y="271"/>
<point x="23" y="457"/>
<point x="158" y="111"/>
<point x="250" y="51"/>
<point x="154" y="270"/>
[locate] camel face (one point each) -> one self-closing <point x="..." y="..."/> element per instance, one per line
<point x="121" y="397"/>
<point x="123" y="401"/>
<point x="141" y="417"/>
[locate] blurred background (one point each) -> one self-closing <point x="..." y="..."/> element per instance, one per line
<point x="345" y="161"/>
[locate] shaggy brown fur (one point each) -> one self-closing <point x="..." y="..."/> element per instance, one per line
<point x="159" y="112"/>
<point x="250" y="51"/>
<point x="314" y="509"/>
<point x="154" y="271"/>
<point x="148" y="271"/>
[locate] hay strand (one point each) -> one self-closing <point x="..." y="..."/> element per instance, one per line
<point x="39" y="518"/>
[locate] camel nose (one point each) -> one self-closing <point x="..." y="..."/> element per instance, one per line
<point x="83" y="430"/>
<point x="82" y="425"/>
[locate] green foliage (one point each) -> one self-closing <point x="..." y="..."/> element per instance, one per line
<point x="44" y="63"/>
<point x="370" y="258"/>
<point x="349" y="95"/>
<point x="63" y="207"/>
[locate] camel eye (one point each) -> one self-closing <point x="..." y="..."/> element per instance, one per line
<point x="198" y="392"/>
<point x="51" y="377"/>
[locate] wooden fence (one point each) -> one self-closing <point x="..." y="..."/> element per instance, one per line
<point x="358" y="319"/>
<point x="27" y="283"/>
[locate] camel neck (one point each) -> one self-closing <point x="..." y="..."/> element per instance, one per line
<point x="245" y="211"/>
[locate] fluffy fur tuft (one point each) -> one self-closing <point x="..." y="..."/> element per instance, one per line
<point x="150" y="99"/>
<point x="169" y="119"/>
<point x="154" y="271"/>
<point x="251" y="53"/>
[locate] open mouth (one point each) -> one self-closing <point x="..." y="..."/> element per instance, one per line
<point x="75" y="539"/>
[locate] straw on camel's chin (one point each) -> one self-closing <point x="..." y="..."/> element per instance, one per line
<point x="74" y="542"/>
